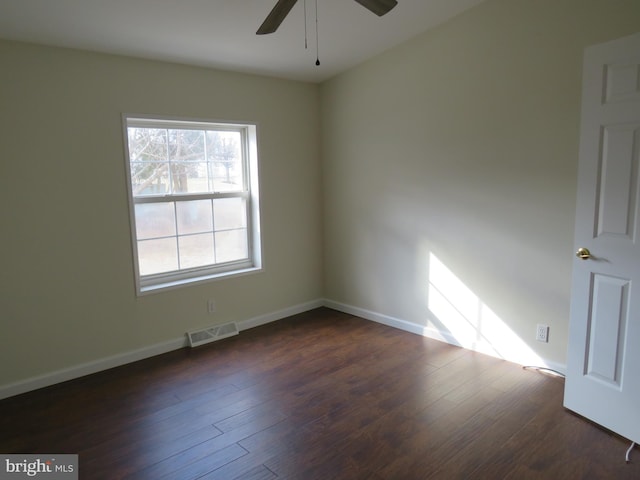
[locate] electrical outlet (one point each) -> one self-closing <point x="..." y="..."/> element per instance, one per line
<point x="211" y="306"/>
<point x="542" y="333"/>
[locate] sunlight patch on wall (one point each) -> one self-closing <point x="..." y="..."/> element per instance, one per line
<point x="469" y="320"/>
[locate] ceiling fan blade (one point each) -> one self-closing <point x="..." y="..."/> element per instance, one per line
<point x="379" y="7"/>
<point x="276" y="16"/>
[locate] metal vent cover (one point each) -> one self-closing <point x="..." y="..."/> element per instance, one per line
<point x="211" y="334"/>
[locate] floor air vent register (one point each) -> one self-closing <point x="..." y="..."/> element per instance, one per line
<point x="211" y="334"/>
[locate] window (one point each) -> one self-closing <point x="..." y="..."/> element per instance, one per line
<point x="194" y="200"/>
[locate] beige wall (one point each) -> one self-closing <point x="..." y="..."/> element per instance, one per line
<point x="451" y="160"/>
<point x="66" y="281"/>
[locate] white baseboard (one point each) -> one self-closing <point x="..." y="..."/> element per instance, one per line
<point x="88" y="368"/>
<point x="280" y="314"/>
<point x="58" y="376"/>
<point x="377" y="317"/>
<point x="428" y="332"/>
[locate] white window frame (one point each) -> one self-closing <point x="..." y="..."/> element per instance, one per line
<point x="188" y="276"/>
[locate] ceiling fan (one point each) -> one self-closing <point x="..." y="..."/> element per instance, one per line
<point x="283" y="7"/>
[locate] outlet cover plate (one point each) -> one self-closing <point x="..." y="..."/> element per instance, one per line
<point x="542" y="333"/>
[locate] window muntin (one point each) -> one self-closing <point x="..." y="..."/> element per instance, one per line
<point x="193" y="191"/>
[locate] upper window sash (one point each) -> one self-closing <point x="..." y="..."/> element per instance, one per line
<point x="186" y="158"/>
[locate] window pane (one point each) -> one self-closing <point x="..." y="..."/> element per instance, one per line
<point x="188" y="164"/>
<point x="149" y="178"/>
<point x="157" y="256"/>
<point x="194" y="217"/>
<point x="230" y="213"/>
<point x="224" y="154"/>
<point x="196" y="250"/>
<point x="189" y="177"/>
<point x="231" y="245"/>
<point x="186" y="145"/>
<point x="148" y="154"/>
<point x="147" y="144"/>
<point x="155" y="220"/>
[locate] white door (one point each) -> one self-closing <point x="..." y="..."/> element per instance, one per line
<point x="603" y="362"/>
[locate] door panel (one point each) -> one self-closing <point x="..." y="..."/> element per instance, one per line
<point x="603" y="381"/>
<point x="606" y="329"/>
<point x="617" y="186"/>
<point x="622" y="82"/>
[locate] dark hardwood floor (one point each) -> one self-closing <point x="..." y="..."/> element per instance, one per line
<point x="321" y="395"/>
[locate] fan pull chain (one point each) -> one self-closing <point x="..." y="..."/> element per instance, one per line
<point x="305" y="24"/>
<point x="317" y="46"/>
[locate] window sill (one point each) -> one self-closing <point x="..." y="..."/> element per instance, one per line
<point x="170" y="285"/>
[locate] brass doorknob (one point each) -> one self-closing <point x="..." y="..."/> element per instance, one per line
<point x="583" y="253"/>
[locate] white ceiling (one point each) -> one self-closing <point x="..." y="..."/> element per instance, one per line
<point x="221" y="33"/>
